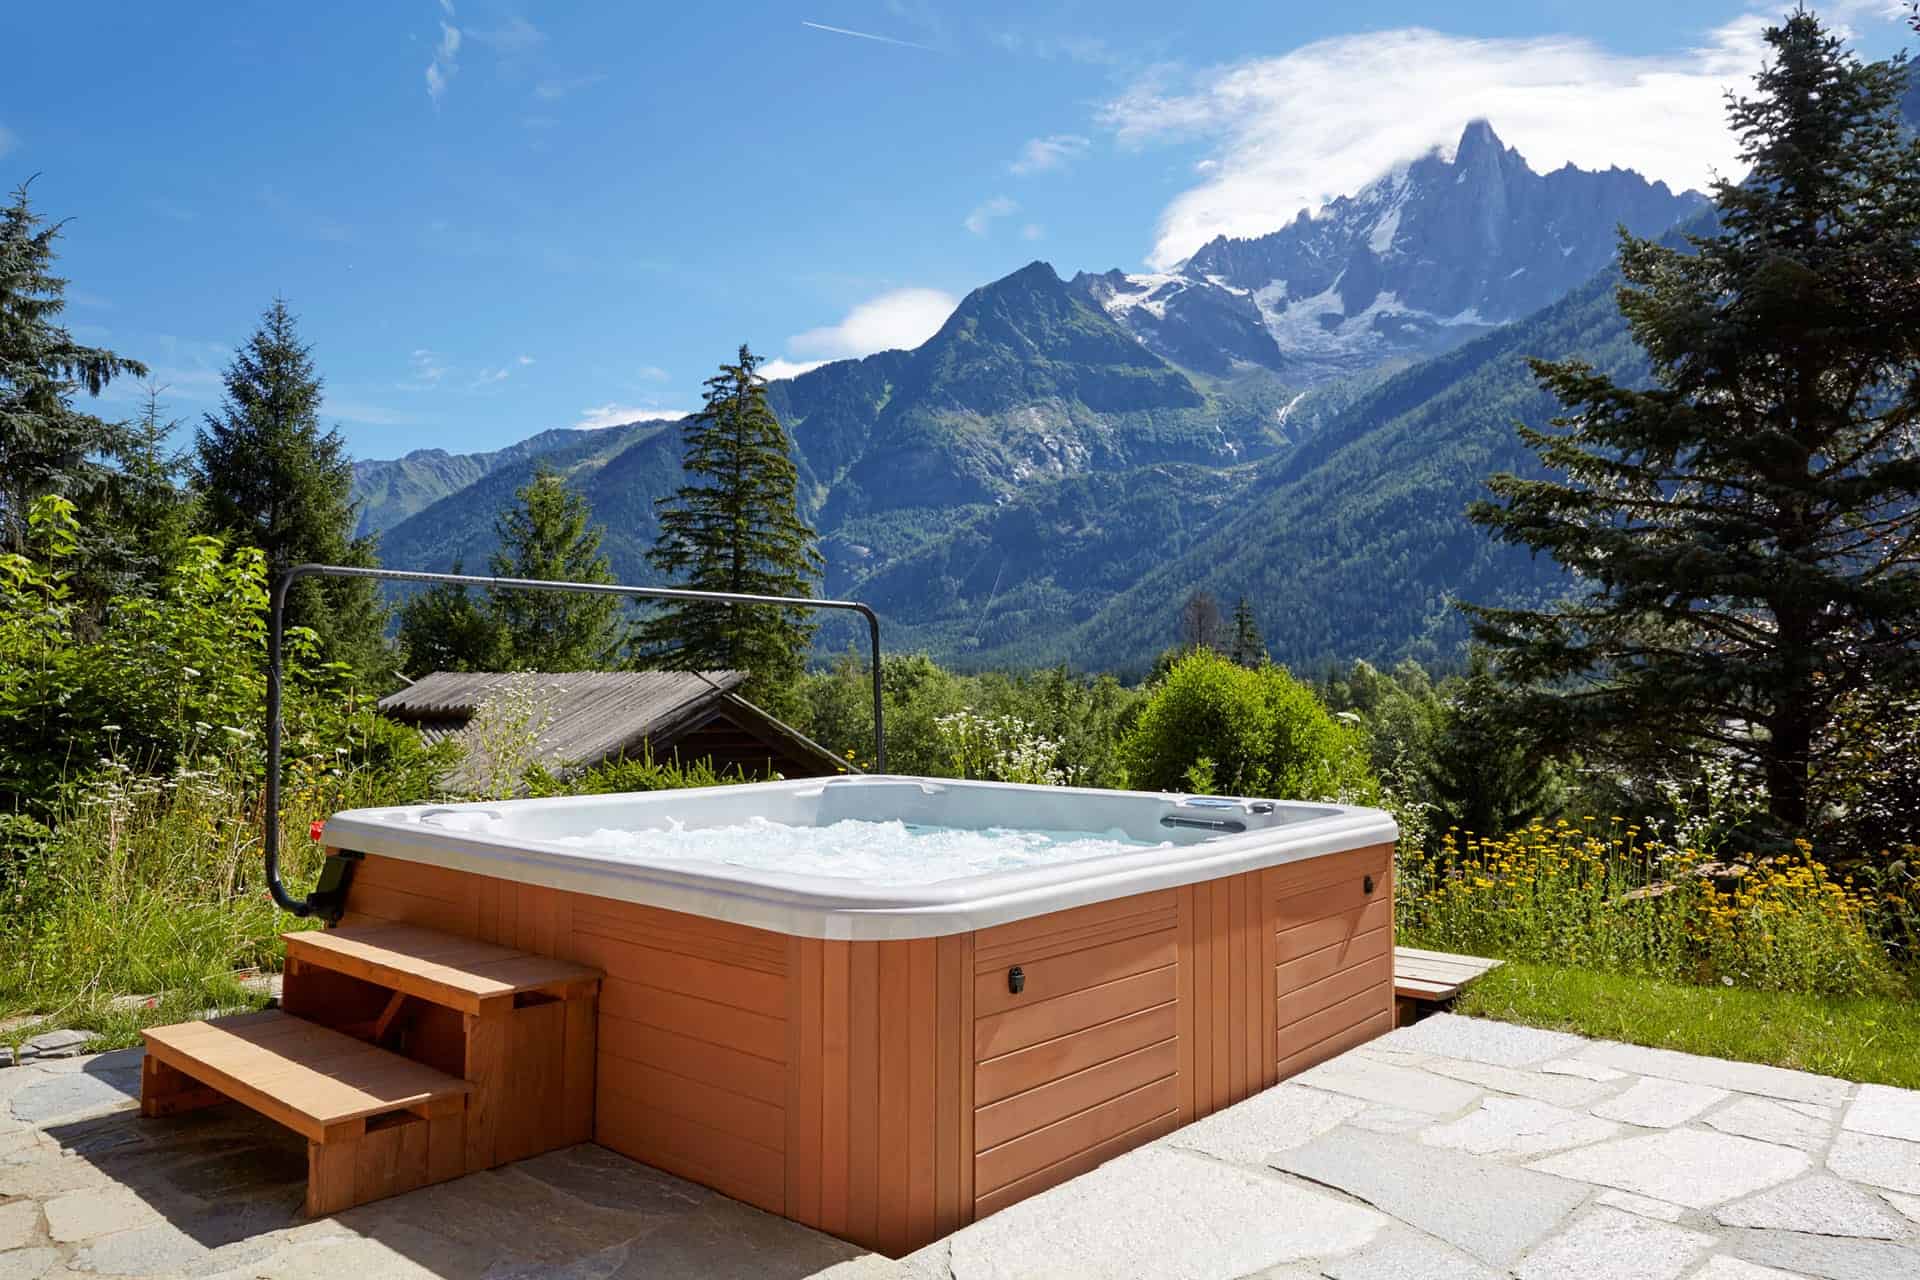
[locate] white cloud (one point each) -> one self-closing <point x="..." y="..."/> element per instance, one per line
<point x="980" y="221"/>
<point x="429" y="367"/>
<point x="1051" y="152"/>
<point x="1032" y="231"/>
<point x="8" y="139"/>
<point x="614" y="415"/>
<point x="653" y="373"/>
<point x="446" y="61"/>
<point x="524" y="360"/>
<point x="903" y="318"/>
<point x="1295" y="130"/>
<point x="516" y="36"/>
<point x="554" y="90"/>
<point x="488" y="377"/>
<point x="781" y="367"/>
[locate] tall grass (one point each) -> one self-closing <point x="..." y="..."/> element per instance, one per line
<point x="1607" y="896"/>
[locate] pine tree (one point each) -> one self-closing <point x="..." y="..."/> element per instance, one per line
<point x="736" y="527"/>
<point x="147" y="514"/>
<point x="1745" y="529"/>
<point x="1480" y="773"/>
<point x="271" y="477"/>
<point x="1249" y="649"/>
<point x="445" y="628"/>
<point x="46" y="445"/>
<point x="549" y="534"/>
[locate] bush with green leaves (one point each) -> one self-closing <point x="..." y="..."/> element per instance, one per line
<point x="1214" y="726"/>
<point x="639" y="773"/>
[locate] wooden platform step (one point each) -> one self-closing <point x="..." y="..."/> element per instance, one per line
<point x="376" y="1123"/>
<point x="1424" y="979"/>
<point x="460" y="973"/>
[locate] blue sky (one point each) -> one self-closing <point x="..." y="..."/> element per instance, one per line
<point x="495" y="217"/>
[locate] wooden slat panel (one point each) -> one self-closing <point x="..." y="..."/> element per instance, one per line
<point x="741" y="1169"/>
<point x="1010" y="1073"/>
<point x="762" y="1123"/>
<point x="923" y="1079"/>
<point x="804" y="1078"/>
<point x="835" y="1116"/>
<point x="1184" y="1006"/>
<point x="579" y="1066"/>
<point x="1025" y="1112"/>
<point x="734" y="944"/>
<point x="1093" y="933"/>
<point x="1075" y="1134"/>
<point x="995" y="1034"/>
<point x="949" y="1064"/>
<point x="1297" y="1057"/>
<point x="692" y="1016"/>
<point x="863" y="1092"/>
<point x="536" y="1040"/>
<point x="988" y="942"/>
<point x="1313" y="873"/>
<point x="1299" y="940"/>
<point x="1344" y="954"/>
<point x="727" y="1068"/>
<point x="1075" y="971"/>
<point x="1373" y="975"/>
<point x="1327" y="900"/>
<point x="1317" y="1026"/>
<point x="895" y="1103"/>
<point x="728" y="984"/>
<point x="1075" y="1165"/>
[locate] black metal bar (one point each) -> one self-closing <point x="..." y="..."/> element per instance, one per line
<point x="304" y="906"/>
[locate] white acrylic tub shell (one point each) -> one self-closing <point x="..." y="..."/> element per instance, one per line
<point x="517" y="844"/>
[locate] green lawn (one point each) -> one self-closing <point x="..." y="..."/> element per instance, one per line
<point x="1869" y="1039"/>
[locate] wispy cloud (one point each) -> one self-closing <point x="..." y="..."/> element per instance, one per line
<point x="489" y="377"/>
<point x="554" y="90"/>
<point x="614" y="415"/>
<point x="1051" y="152"/>
<point x="524" y="361"/>
<point x="428" y="370"/>
<point x="652" y="373"/>
<point x="1033" y="231"/>
<point x="981" y="220"/>
<point x="866" y="35"/>
<point x="515" y="36"/>
<point x="1084" y="49"/>
<point x="8" y="140"/>
<point x="1295" y="130"/>
<point x="446" y="59"/>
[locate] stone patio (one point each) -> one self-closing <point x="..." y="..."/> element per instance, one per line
<point x="1451" y="1150"/>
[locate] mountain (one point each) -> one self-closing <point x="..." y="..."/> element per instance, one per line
<point x="388" y="491"/>
<point x="1437" y="251"/>
<point x="1300" y="418"/>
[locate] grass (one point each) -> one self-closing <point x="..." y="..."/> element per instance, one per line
<point x="118" y="1026"/>
<point x="1872" y="1039"/>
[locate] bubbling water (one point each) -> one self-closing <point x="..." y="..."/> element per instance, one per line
<point x="893" y="852"/>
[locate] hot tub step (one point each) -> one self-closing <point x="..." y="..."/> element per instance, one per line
<point x="376" y="1123"/>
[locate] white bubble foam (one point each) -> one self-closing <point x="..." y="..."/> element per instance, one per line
<point x="897" y="853"/>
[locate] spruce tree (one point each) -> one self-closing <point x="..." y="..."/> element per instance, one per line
<point x="445" y="628"/>
<point x="270" y="476"/>
<point x="549" y="533"/>
<point x="1744" y="530"/>
<point x="1480" y="774"/>
<point x="1200" y="621"/>
<point x="1249" y="649"/>
<point x="46" y="445"/>
<point x="736" y="526"/>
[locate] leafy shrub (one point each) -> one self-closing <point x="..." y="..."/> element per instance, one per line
<point x="1264" y="733"/>
<point x="641" y="774"/>
<point x="999" y="749"/>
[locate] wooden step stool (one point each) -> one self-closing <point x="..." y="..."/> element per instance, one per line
<point x="1424" y="981"/>
<point x="404" y="1056"/>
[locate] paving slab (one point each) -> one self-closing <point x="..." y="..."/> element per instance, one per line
<point x="1723" y="1267"/>
<point x="1769" y="1121"/>
<point x="1741" y="1077"/>
<point x="1660" y="1104"/>
<point x="55" y="1044"/>
<point x="1684" y="1166"/>
<point x="1400" y="1254"/>
<point x="27" y="1264"/>
<point x="1502" y="1044"/>
<point x="1561" y="1091"/>
<point x="1403" y="1088"/>
<point x="1826" y="1257"/>
<point x="74" y="1095"/>
<point x="1819" y="1205"/>
<point x="1518" y="1127"/>
<point x="1125" y="1220"/>
<point x="1883" y="1162"/>
<point x="1909" y="1205"/>
<point x="1491" y="1211"/>
<point x="1606" y="1244"/>
<point x="1279" y="1118"/>
<point x="19" y="1224"/>
<point x="1885" y="1112"/>
<point x="1585" y="1070"/>
<point x="1645" y="1206"/>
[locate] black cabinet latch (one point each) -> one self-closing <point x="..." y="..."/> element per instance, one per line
<point x="1016" y="980"/>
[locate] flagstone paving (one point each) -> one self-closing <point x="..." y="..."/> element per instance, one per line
<point x="1452" y="1150"/>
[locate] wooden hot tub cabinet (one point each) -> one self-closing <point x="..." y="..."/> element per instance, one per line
<point x="891" y="1092"/>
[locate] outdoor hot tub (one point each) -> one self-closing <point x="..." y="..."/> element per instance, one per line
<point x="885" y="1007"/>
